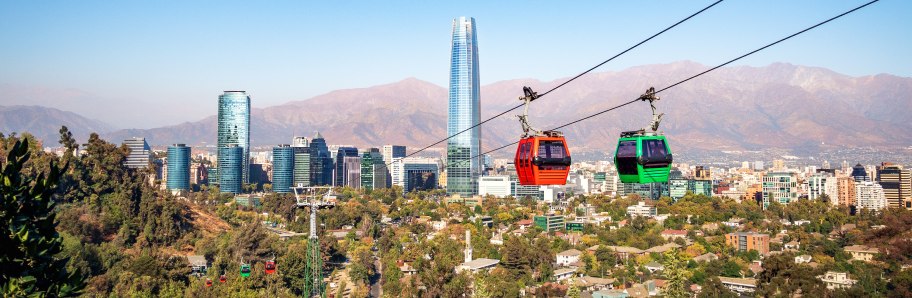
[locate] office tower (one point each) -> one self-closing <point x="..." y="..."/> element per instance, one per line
<point x="178" y="167"/>
<point x="231" y="168"/>
<point x="282" y="168"/>
<point x="780" y="187"/>
<point x="341" y="170"/>
<point x="778" y="165"/>
<point x="464" y="163"/>
<point x="351" y="171"/>
<point x="302" y="162"/>
<point x="199" y="174"/>
<point x="859" y="173"/>
<point x="321" y="163"/>
<point x="140" y="153"/>
<point x="392" y="151"/>
<point x="414" y="173"/>
<point x="373" y="170"/>
<point x="234" y="128"/>
<point x="896" y="183"/>
<point x="869" y="195"/>
<point x="300" y="142"/>
<point x="758" y="166"/>
<point x="498" y="186"/>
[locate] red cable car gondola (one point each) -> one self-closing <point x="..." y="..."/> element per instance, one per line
<point x="223" y="278"/>
<point x="542" y="158"/>
<point x="208" y="282"/>
<point x="270" y="267"/>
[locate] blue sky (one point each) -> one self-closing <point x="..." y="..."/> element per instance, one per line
<point x="141" y="64"/>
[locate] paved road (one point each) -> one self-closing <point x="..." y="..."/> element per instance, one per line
<point x="375" y="289"/>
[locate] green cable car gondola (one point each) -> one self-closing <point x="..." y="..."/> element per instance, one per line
<point x="644" y="156"/>
<point x="245" y="270"/>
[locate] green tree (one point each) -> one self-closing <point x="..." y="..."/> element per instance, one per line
<point x="676" y="273"/>
<point x="713" y="288"/>
<point x="29" y="243"/>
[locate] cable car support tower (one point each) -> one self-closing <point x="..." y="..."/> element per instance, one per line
<point x="314" y="197"/>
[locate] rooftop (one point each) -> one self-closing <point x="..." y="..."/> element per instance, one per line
<point x="570" y="252"/>
<point x="861" y="248"/>
<point x="738" y="281"/>
<point x="480" y="263"/>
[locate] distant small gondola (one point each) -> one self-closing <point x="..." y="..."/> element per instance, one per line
<point x="245" y="270"/>
<point x="208" y="282"/>
<point x="270" y="267"/>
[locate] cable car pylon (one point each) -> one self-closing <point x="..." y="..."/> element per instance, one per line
<point x="310" y="197"/>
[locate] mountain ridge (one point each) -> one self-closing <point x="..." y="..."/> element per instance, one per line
<point x="741" y="107"/>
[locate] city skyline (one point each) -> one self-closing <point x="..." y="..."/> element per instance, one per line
<point x="51" y="70"/>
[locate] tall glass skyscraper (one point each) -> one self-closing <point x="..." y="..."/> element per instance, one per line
<point x="231" y="169"/>
<point x="341" y="170"/>
<point x="178" y="167"/>
<point x="282" y="168"/>
<point x="321" y="162"/>
<point x="464" y="111"/>
<point x="234" y="127"/>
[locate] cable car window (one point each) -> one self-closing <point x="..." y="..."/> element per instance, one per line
<point x="627" y="149"/>
<point x="654" y="149"/>
<point x="551" y="149"/>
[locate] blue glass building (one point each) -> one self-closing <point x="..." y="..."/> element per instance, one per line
<point x="234" y="127"/>
<point x="321" y="162"/>
<point x="464" y="110"/>
<point x="231" y="168"/>
<point x="282" y="168"/>
<point x="341" y="170"/>
<point x="178" y="167"/>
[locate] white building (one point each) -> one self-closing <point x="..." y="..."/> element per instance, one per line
<point x="498" y="186"/>
<point x="739" y="285"/>
<point x="641" y="209"/>
<point x="567" y="257"/>
<point x="869" y="195"/>
<point x="837" y="280"/>
<point x="780" y="187"/>
<point x="817" y="185"/>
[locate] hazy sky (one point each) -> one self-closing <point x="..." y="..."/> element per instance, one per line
<point x="141" y="64"/>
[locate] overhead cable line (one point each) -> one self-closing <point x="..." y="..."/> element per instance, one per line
<point x="570" y="80"/>
<point x="696" y="75"/>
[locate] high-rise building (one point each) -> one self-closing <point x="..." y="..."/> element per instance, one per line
<point x="199" y="174"/>
<point x="869" y="195"/>
<point x="392" y="151"/>
<point x="373" y="170"/>
<point x="859" y="173"/>
<point x="816" y="185"/>
<point x="845" y="187"/>
<point x="140" y="153"/>
<point x="896" y="183"/>
<point x="702" y="173"/>
<point x="781" y="187"/>
<point x="234" y="128"/>
<point x="351" y="171"/>
<point x="464" y="160"/>
<point x="301" y="165"/>
<point x="282" y="168"/>
<point x="231" y="168"/>
<point x="321" y="163"/>
<point x="300" y="142"/>
<point x="700" y="187"/>
<point x="341" y="171"/>
<point x="178" y="167"/>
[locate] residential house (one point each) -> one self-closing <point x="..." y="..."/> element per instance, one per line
<point x="563" y="274"/>
<point x="739" y="285"/>
<point x="861" y="252"/>
<point x="567" y="257"/>
<point x="837" y="280"/>
<point x="670" y="235"/>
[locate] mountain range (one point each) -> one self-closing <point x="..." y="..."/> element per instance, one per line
<point x="733" y="108"/>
